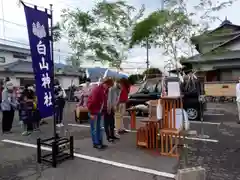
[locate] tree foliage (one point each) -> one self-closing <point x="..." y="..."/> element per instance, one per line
<point x="101" y="34"/>
<point x="152" y="73"/>
<point x="134" y="78"/>
<point x="172" y="28"/>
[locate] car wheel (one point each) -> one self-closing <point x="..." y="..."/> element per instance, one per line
<point x="192" y="114"/>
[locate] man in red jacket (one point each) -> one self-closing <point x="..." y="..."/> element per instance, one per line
<point x="97" y="100"/>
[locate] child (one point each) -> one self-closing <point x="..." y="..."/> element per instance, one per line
<point x="26" y="106"/>
<point x="36" y="115"/>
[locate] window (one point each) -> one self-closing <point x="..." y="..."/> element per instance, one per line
<point x="159" y="87"/>
<point x="148" y="86"/>
<point x="20" y="56"/>
<point x="2" y="60"/>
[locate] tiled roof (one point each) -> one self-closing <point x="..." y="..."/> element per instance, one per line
<point x="26" y="67"/>
<point x="213" y="57"/>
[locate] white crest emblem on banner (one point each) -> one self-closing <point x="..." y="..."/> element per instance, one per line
<point x="39" y="30"/>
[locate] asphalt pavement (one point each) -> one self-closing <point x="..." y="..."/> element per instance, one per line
<point x="122" y="160"/>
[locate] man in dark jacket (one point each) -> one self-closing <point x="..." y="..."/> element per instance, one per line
<point x="97" y="100"/>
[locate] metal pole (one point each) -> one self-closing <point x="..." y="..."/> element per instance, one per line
<point x="51" y="43"/>
<point x="147" y="46"/>
<point x="162" y="4"/>
<point x="3" y="20"/>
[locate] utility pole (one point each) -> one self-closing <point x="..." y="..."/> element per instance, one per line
<point x="147" y="46"/>
<point x="3" y="20"/>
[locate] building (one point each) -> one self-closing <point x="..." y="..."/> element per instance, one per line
<point x="15" y="62"/>
<point x="218" y="57"/>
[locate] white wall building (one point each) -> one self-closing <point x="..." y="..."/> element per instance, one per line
<point x="16" y="63"/>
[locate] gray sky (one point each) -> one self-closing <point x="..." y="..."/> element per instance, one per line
<point x="13" y="13"/>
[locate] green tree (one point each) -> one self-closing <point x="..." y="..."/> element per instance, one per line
<point x="101" y="34"/>
<point x="152" y="73"/>
<point x="134" y="78"/>
<point x="172" y="29"/>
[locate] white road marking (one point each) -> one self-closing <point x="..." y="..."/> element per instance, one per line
<point x="80" y="125"/>
<point x="204" y="122"/>
<point x="213" y="114"/>
<point x="104" y="161"/>
<point x="201" y="139"/>
<point x="134" y="131"/>
<point x="88" y="126"/>
<point x="198" y="139"/>
<point x="215" y="108"/>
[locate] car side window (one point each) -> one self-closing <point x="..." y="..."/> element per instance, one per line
<point x="159" y="87"/>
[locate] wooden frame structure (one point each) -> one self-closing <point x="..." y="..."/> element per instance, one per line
<point x="148" y="134"/>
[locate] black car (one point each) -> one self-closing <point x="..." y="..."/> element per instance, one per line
<point x="151" y="90"/>
<point x="148" y="90"/>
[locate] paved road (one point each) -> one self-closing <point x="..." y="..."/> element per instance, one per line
<point x="220" y="159"/>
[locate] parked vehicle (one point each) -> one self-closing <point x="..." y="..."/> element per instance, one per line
<point x="151" y="90"/>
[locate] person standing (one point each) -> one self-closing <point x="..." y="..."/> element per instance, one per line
<point x="83" y="98"/>
<point x="109" y="115"/>
<point x="122" y="104"/>
<point x="60" y="96"/>
<point x="8" y="106"/>
<point x="238" y="99"/>
<point x="95" y="104"/>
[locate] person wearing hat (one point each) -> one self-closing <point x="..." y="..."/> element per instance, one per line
<point x="97" y="101"/>
<point x="8" y="106"/>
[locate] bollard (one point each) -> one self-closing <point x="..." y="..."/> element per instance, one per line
<point x="71" y="147"/>
<point x="54" y="153"/>
<point x="39" y="153"/>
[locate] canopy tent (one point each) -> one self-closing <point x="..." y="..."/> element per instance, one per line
<point x="96" y="73"/>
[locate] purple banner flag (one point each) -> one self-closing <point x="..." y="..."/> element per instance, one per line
<point x="42" y="64"/>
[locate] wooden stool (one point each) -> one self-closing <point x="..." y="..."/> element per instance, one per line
<point x="83" y="115"/>
<point x="169" y="142"/>
<point x="132" y="112"/>
<point x="147" y="136"/>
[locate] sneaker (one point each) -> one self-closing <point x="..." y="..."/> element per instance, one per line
<point x="26" y="133"/>
<point x="61" y="124"/>
<point x="110" y="140"/>
<point x="58" y="125"/>
<point x="115" y="138"/>
<point x="37" y="130"/>
<point x="103" y="146"/>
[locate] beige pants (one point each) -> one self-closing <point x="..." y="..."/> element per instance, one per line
<point x="119" y="114"/>
<point x="238" y="108"/>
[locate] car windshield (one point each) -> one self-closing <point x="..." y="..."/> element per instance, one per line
<point x="148" y="86"/>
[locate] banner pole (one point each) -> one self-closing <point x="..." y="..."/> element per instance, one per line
<point x="51" y="42"/>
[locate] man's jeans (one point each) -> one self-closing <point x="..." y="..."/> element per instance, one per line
<point x="96" y="130"/>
